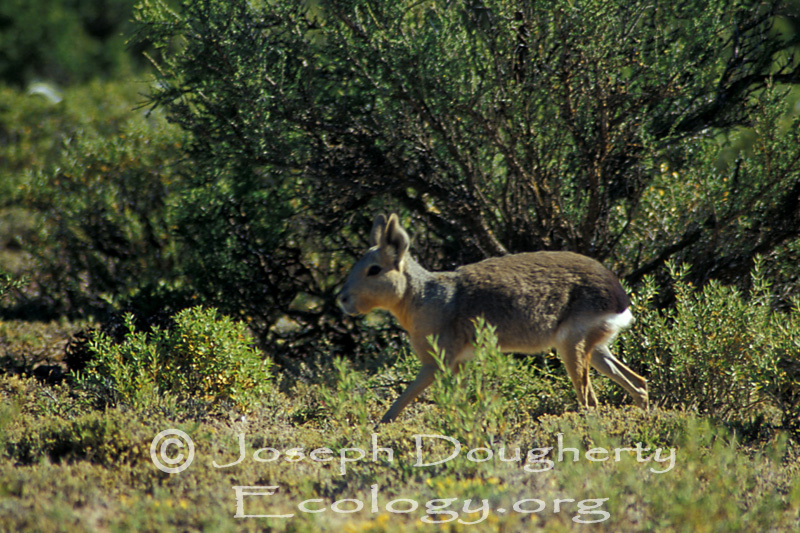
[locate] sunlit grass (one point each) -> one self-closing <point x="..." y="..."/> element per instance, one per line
<point x="69" y="467"/>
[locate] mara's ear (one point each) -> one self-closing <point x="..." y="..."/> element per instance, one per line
<point x="394" y="240"/>
<point x="377" y="230"/>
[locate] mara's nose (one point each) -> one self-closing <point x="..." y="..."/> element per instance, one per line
<point x="343" y="299"/>
<point x="346" y="303"/>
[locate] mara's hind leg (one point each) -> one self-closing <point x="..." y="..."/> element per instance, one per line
<point x="592" y="396"/>
<point x="578" y="354"/>
<point x="604" y="362"/>
<point x="576" y="362"/>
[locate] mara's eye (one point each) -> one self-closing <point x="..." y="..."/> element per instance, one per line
<point x="374" y="270"/>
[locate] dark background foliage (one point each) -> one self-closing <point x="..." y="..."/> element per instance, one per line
<point x="494" y="127"/>
<point x="271" y="133"/>
<point x="65" y="41"/>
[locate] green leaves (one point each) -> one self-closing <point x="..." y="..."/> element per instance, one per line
<point x="504" y="126"/>
<point x="722" y="352"/>
<point x="203" y="356"/>
<point x="492" y="395"/>
<point x="633" y="132"/>
<point x="9" y="283"/>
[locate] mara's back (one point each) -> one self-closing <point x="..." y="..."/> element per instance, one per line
<point x="528" y="296"/>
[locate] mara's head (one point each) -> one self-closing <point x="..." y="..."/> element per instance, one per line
<point x="378" y="278"/>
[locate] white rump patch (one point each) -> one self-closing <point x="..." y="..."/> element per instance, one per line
<point x="620" y="321"/>
<point x="612" y="323"/>
<point x="617" y="323"/>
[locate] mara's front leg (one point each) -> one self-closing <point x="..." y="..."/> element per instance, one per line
<point x="414" y="389"/>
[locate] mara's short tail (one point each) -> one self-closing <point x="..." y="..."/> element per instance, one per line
<point x="617" y="322"/>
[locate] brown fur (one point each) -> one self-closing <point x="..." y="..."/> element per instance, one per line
<point x="535" y="300"/>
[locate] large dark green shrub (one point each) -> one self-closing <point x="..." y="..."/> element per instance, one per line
<point x="497" y="126"/>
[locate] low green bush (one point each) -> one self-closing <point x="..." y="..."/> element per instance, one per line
<point x="495" y="394"/>
<point x="203" y="356"/>
<point x="303" y="119"/>
<point x="103" y="437"/>
<point x="719" y="350"/>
